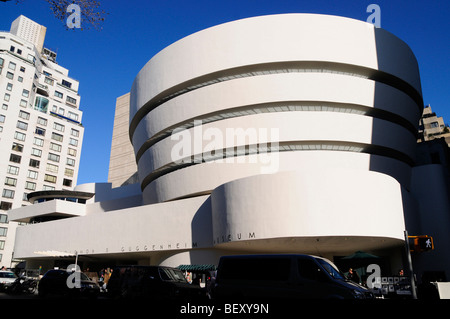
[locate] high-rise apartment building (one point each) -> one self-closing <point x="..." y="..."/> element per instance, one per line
<point x="30" y="31"/>
<point x="40" y="124"/>
<point x="432" y="126"/>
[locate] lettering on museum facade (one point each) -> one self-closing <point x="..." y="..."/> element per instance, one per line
<point x="169" y="246"/>
<point x="141" y="248"/>
<point x="235" y="237"/>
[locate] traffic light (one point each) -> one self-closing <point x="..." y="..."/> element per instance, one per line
<point x="423" y="243"/>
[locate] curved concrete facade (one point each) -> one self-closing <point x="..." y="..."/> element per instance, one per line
<point x="327" y="106"/>
<point x="313" y="83"/>
<point x="313" y="212"/>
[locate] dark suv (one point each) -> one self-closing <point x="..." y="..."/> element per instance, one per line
<point x="283" y="276"/>
<point x="154" y="282"/>
<point x="58" y="282"/>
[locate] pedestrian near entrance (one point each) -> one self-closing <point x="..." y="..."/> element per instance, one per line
<point x="353" y="276"/>
<point x="107" y="275"/>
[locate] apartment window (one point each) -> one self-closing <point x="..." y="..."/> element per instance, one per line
<point x="22" y="69"/>
<point x="9" y="87"/>
<point x="73" y="142"/>
<point x="5" y="205"/>
<point x="74" y="132"/>
<point x="25" y="93"/>
<point x="53" y="157"/>
<point x="12" y="66"/>
<point x="32" y="174"/>
<point x="42" y="121"/>
<point x="41" y="104"/>
<point x="25" y="197"/>
<point x="54" y="108"/>
<point x="2" y="118"/>
<point x="48" y="188"/>
<point x="6" y="97"/>
<point x="61" y="111"/>
<point x="57" y="137"/>
<point x="10" y="75"/>
<point x="7" y="193"/>
<point x="20" y="79"/>
<point x="67" y="182"/>
<point x="36" y="152"/>
<point x="30" y="185"/>
<point x="15" y="158"/>
<point x="34" y="163"/>
<point x="38" y="141"/>
<point x="50" y="178"/>
<point x="10" y="181"/>
<point x="55" y="147"/>
<point x="48" y="81"/>
<point x="22" y="125"/>
<point x="58" y="94"/>
<point x="52" y="168"/>
<point x="58" y="127"/>
<point x="71" y="100"/>
<point x="17" y="147"/>
<point x="23" y="103"/>
<point x="39" y="131"/>
<point x="24" y="115"/>
<point x="3" y="230"/>
<point x="434" y="124"/>
<point x="72" y="152"/>
<point x="72" y="116"/>
<point x="19" y="136"/>
<point x="4" y="106"/>
<point x="68" y="172"/>
<point x="66" y="84"/>
<point x="3" y="220"/>
<point x="13" y="170"/>
<point x="70" y="162"/>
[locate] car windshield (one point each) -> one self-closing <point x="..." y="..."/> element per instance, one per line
<point x="7" y="275"/>
<point x="172" y="274"/>
<point x="83" y="276"/>
<point x="331" y="269"/>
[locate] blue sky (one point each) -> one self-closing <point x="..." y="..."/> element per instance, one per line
<point x="107" y="61"/>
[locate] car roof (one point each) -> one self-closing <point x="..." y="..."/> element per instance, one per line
<point x="141" y="266"/>
<point x="269" y="256"/>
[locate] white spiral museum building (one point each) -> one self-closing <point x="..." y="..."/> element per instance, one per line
<point x="282" y="133"/>
<point x="344" y="98"/>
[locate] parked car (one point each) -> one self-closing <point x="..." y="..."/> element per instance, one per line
<point x="152" y="282"/>
<point x="55" y="282"/>
<point x="7" y="278"/>
<point x="283" y="276"/>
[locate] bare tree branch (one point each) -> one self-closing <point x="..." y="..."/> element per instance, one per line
<point x="91" y="14"/>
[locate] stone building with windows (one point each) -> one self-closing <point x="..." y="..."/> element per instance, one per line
<point x="40" y="124"/>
